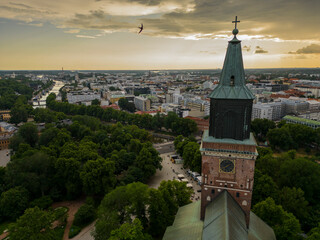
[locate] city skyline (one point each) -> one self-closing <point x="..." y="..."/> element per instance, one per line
<point x="103" y="34"/>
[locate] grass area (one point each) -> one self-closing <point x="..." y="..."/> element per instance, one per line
<point x="4" y="226"/>
<point x="60" y="212"/>
<point x="74" y="231"/>
<point x="301" y="152"/>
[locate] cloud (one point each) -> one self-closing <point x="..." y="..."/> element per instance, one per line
<point x="208" y="52"/>
<point x="177" y="18"/>
<point x="85" y="36"/>
<point x="311" y="49"/>
<point x="72" y="31"/>
<point x="99" y="20"/>
<point x="32" y="24"/>
<point x="260" y="50"/>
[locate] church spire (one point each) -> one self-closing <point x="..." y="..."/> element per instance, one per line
<point x="232" y="81"/>
<point x="231" y="100"/>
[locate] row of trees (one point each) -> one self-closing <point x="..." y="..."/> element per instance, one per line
<point x="152" y="210"/>
<point x="285" y="136"/>
<point x="293" y="136"/>
<point x="171" y="122"/>
<point x="189" y="149"/>
<point x="286" y="193"/>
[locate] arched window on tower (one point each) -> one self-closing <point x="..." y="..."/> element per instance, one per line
<point x="232" y="81"/>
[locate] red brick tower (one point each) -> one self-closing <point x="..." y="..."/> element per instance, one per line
<point x="228" y="148"/>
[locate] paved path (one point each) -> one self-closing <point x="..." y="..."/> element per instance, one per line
<point x="73" y="208"/>
<point x="85" y="234"/>
<point x="4" y="157"/>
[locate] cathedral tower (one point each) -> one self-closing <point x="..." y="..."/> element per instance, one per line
<point x="229" y="149"/>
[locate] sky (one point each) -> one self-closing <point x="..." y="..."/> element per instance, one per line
<point x="177" y="34"/>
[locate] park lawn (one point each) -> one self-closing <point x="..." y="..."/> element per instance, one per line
<point x="300" y="153"/>
<point x="74" y="231"/>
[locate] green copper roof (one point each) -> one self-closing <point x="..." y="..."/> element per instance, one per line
<point x="232" y="83"/>
<point x="187" y="224"/>
<point x="249" y="141"/>
<point x="302" y="120"/>
<point x="224" y="219"/>
<point x="259" y="230"/>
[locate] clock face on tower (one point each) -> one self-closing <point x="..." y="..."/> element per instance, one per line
<point x="227" y="166"/>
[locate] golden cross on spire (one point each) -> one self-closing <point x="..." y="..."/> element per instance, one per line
<point x="236" y="22"/>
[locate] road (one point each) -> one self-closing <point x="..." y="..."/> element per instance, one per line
<point x="164" y="147"/>
<point x="170" y="171"/>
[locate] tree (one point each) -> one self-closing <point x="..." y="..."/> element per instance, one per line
<point x="120" y="206"/>
<point x="314" y="234"/>
<point x="269" y="165"/>
<point x="29" y="133"/>
<point x="264" y="187"/>
<point x="192" y="156"/>
<point x="280" y="138"/>
<point x="44" y="115"/>
<point x="95" y="102"/>
<point x="300" y="134"/>
<point x="34" y="224"/>
<point x="260" y="127"/>
<point x="68" y="175"/>
<point x="130" y="231"/>
<point x="98" y="176"/>
<point x="48" y="135"/>
<point x="34" y="172"/>
<point x="124" y="104"/>
<point x="159" y="217"/>
<point x="284" y="224"/>
<point x="13" y="202"/>
<point x="292" y="200"/>
<point x="148" y="162"/>
<point x="301" y="173"/>
<point x="85" y="215"/>
<point x="15" y="142"/>
<point x="19" y="114"/>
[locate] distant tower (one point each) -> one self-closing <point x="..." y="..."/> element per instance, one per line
<point x="61" y="75"/>
<point x="229" y="149"/>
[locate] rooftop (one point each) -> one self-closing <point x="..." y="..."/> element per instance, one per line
<point x="224" y="219"/>
<point x="298" y="119"/>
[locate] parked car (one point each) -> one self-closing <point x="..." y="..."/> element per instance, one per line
<point x="194" y="175"/>
<point x="199" y="180"/>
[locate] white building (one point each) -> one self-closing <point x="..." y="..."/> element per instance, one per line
<point x="207" y="84"/>
<point x="271" y="111"/>
<point x="81" y="97"/>
<point x="142" y="104"/>
<point x="313" y="105"/>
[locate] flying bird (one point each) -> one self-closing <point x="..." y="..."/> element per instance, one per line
<point x="141" y="28"/>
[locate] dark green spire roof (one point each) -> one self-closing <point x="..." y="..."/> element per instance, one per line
<point x="232" y="83"/>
